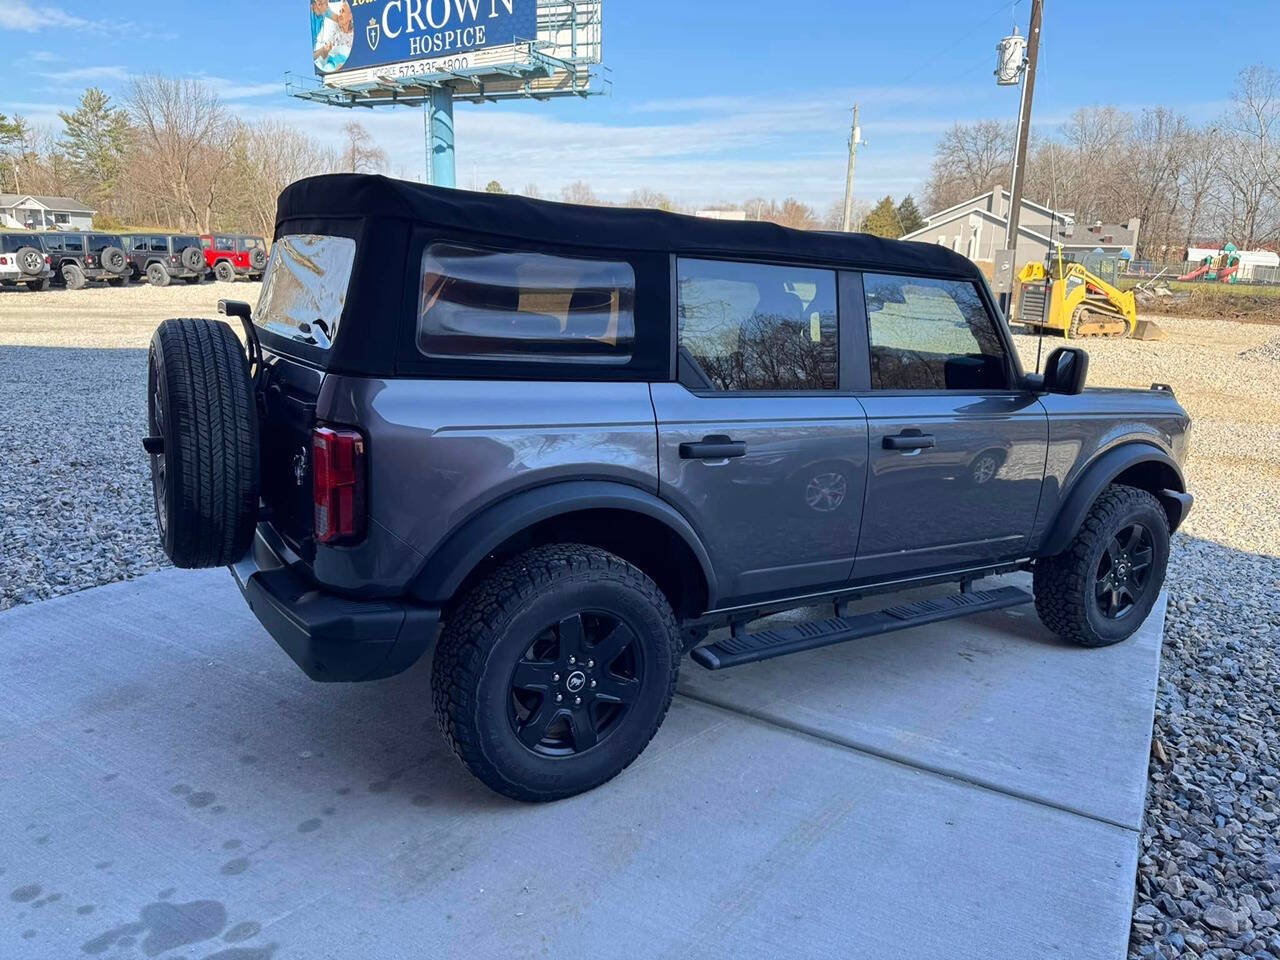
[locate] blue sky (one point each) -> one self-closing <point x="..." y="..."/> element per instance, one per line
<point x="712" y="100"/>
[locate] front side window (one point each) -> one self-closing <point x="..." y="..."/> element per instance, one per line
<point x="304" y="290"/>
<point x="517" y="305"/>
<point x="931" y="334"/>
<point x="748" y="326"/>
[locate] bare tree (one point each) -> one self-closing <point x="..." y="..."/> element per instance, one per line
<point x="1250" y="164"/>
<point x="269" y="156"/>
<point x="182" y="138"/>
<point x="360" y="154"/>
<point x="580" y="192"/>
<point x="969" y="160"/>
<point x="652" y="199"/>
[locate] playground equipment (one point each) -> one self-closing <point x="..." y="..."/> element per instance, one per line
<point x="1224" y="268"/>
<point x="1075" y="299"/>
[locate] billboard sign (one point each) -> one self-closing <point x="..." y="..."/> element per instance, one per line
<point x="354" y="41"/>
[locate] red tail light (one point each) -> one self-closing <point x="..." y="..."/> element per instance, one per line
<point x="337" y="458"/>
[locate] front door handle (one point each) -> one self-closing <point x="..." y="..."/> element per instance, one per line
<point x="909" y="441"/>
<point x="716" y="447"/>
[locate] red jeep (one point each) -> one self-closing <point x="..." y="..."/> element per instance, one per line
<point x="231" y="255"/>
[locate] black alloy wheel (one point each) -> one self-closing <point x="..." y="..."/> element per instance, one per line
<point x="1124" y="572"/>
<point x="575" y="684"/>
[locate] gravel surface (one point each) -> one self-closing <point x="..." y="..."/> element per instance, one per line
<point x="75" y="498"/>
<point x="75" y="512"/>
<point x="1208" y="880"/>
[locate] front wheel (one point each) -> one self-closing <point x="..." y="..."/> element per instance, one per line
<point x="1099" y="590"/>
<point x="555" y="671"/>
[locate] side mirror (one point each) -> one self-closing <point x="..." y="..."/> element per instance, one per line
<point x="1066" y="372"/>
<point x="235" y="308"/>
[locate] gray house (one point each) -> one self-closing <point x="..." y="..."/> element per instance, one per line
<point x="26" y="212"/>
<point x="978" y="227"/>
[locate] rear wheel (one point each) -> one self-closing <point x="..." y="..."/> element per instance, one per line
<point x="158" y="276"/>
<point x="73" y="276"/>
<point x="203" y="443"/>
<point x="224" y="271"/>
<point x="555" y="672"/>
<point x="1099" y="590"/>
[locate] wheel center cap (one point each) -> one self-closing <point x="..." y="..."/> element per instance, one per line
<point x="575" y="681"/>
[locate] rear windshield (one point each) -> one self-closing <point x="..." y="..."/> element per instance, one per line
<point x="181" y="243"/>
<point x="99" y="242"/>
<point x="305" y="288"/>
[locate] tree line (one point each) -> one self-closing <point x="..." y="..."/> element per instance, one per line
<point x="1191" y="184"/>
<point x="171" y="155"/>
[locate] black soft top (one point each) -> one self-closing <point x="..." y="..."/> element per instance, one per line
<point x="347" y="196"/>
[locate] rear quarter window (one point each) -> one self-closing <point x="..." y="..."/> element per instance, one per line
<point x="304" y="290"/>
<point x="520" y="305"/>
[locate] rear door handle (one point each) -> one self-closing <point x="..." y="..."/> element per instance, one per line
<point x="713" y="448"/>
<point x="909" y="441"/>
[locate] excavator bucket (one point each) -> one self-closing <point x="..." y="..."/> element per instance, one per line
<point x="1148" y="330"/>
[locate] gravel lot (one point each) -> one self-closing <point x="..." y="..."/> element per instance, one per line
<point x="75" y="512"/>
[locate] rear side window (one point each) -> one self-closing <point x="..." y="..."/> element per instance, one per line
<point x="304" y="290"/>
<point x="224" y="243"/>
<point x="931" y="334"/>
<point x="755" y="327"/>
<point x="73" y="244"/>
<point x="517" y="305"/>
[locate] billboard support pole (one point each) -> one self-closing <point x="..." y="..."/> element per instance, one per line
<point x="441" y="168"/>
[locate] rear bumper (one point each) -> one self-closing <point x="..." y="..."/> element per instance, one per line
<point x="333" y="639"/>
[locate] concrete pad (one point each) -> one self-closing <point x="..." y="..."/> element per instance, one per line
<point x="173" y="787"/>
<point x="993" y="698"/>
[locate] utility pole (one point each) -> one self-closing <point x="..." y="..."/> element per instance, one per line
<point x="855" y="137"/>
<point x="1024" y="131"/>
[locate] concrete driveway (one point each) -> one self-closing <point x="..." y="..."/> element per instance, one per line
<point x="171" y="786"/>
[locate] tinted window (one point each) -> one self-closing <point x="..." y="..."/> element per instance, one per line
<point x="181" y="243"/>
<point x="306" y="284"/>
<point x="73" y="243"/>
<point x="159" y="245"/>
<point x="495" y="305"/>
<point x="99" y="242"/>
<point x="929" y="334"/>
<point x="224" y="243"/>
<point x="749" y="326"/>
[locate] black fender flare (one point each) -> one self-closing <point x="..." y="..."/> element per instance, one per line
<point x="449" y="565"/>
<point x="1095" y="478"/>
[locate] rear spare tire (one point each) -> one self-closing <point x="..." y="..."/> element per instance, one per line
<point x="113" y="260"/>
<point x="203" y="426"/>
<point x="30" y="261"/>
<point x="192" y="258"/>
<point x="258" y="259"/>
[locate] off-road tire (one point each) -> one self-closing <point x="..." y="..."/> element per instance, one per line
<point x="258" y="259"/>
<point x="30" y="261"/>
<point x="489" y="630"/>
<point x="1065" y="584"/>
<point x="158" y="276"/>
<point x="224" y="272"/>
<point x="205" y="484"/>
<point x="73" y="277"/>
<point x="192" y="258"/>
<point x="113" y="260"/>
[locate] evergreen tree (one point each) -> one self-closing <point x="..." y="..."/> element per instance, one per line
<point x="493" y="186"/>
<point x="94" y="139"/>
<point x="909" y="217"/>
<point x="13" y="139"/>
<point x="882" y="221"/>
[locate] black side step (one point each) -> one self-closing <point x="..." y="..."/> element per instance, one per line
<point x="766" y="644"/>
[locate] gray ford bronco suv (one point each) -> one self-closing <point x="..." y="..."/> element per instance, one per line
<point x="555" y="446"/>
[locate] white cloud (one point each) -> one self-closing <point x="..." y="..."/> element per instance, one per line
<point x="24" y="16"/>
<point x="86" y="75"/>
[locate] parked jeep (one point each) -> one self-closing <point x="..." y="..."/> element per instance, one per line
<point x="77" y="258"/>
<point x="565" y="443"/>
<point x="234" y="255"/>
<point x="163" y="258"/>
<point x="23" y="261"/>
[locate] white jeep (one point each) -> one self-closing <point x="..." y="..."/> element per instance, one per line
<point x="23" y="260"/>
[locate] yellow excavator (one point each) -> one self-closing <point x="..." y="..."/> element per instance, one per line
<point x="1075" y="300"/>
